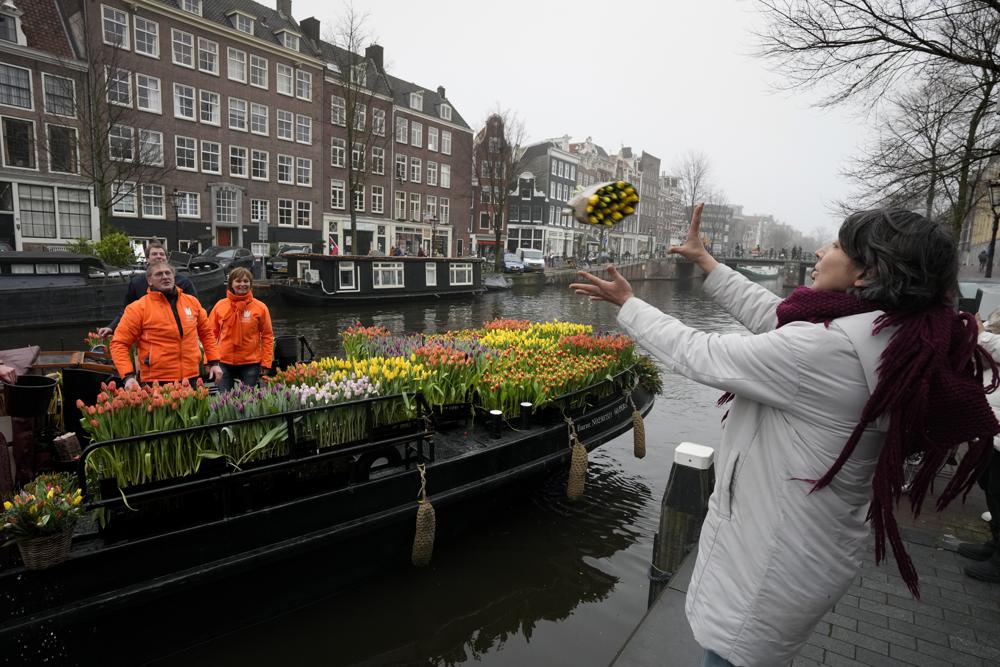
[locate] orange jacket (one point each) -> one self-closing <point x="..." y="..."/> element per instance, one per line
<point x="164" y="354"/>
<point x="241" y="325"/>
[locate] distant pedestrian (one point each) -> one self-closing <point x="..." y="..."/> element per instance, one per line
<point x="983" y="258"/>
<point x="242" y="327"/>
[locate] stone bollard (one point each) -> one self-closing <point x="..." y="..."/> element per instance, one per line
<point x="685" y="503"/>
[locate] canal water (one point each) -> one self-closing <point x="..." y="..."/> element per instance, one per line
<point x="537" y="581"/>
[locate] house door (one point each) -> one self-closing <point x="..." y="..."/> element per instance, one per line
<point x="223" y="236"/>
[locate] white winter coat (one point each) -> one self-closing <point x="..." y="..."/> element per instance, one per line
<point x="773" y="557"/>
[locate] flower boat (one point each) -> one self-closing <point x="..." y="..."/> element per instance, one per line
<point x="196" y="493"/>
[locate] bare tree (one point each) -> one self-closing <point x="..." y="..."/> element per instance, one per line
<point x="495" y="153"/>
<point x="355" y="105"/>
<point x="693" y="170"/>
<point x="864" y="47"/>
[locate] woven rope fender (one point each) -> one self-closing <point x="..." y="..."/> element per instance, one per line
<point x="638" y="431"/>
<point x="423" y="539"/>
<point x="577" y="466"/>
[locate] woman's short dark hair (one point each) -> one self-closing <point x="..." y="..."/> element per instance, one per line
<point x="910" y="262"/>
<point x="238" y="272"/>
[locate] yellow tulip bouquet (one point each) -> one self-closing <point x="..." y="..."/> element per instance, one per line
<point x="48" y="505"/>
<point x="605" y="203"/>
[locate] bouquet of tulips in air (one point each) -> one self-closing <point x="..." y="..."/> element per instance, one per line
<point x="95" y="342"/>
<point x="605" y="203"/>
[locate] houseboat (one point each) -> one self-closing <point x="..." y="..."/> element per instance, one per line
<point x="61" y="288"/>
<point x="317" y="280"/>
<point x="184" y="559"/>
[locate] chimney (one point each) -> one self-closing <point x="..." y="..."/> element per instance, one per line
<point x="374" y="53"/>
<point x="441" y="93"/>
<point x="285" y="8"/>
<point x="310" y="27"/>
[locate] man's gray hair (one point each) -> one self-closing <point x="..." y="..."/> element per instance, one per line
<point x="150" y="268"/>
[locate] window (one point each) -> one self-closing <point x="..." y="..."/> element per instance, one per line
<point x="60" y="97"/>
<point x="243" y="23"/>
<point x="336" y="194"/>
<point x="226" y="211"/>
<point x="290" y="41"/>
<point x="400" y="204"/>
<point x="378" y="199"/>
<point x="115" y="23"/>
<point x="446" y="142"/>
<point x="119" y="83"/>
<point x="432" y="139"/>
<point x="445" y="111"/>
<point x="147" y="36"/>
<point x="431" y="206"/>
<point x="460" y="274"/>
<point x="338" y="111"/>
<point x="183" y="101"/>
<point x="345" y="276"/>
<point x="446" y="176"/>
<point x="38" y="211"/>
<point x="285" y="212"/>
<point x="260" y="211"/>
<point x="192" y="6"/>
<point x="210" y="112"/>
<point x="62" y="149"/>
<point x="417" y="100"/>
<point x="359" y="198"/>
<point x="182" y="46"/>
<point x="359" y="74"/>
<point x="285" y="163"/>
<point x="401" y="168"/>
<point x="120" y="142"/>
<point x="387" y="274"/>
<point x="303" y="213"/>
<point x="378" y="122"/>
<point x="286" y="82"/>
<point x="258" y="71"/>
<point x="378" y="160"/>
<point x="19" y="143"/>
<point x="416" y="134"/>
<point x="147" y="93"/>
<point x="186" y="153"/>
<point x="258" y="119"/>
<point x="415" y="166"/>
<point x="443" y="210"/>
<point x="303" y="85"/>
<point x="152" y="201"/>
<point x="237" y="114"/>
<point x="360" y="117"/>
<point x="402" y="130"/>
<point x="415" y="206"/>
<point x="236" y="64"/>
<point x="303" y="171"/>
<point x="151" y="147"/>
<point x="484" y="221"/>
<point x="358" y="157"/>
<point x="208" y="56"/>
<point x="286" y="125"/>
<point x="430" y="274"/>
<point x="15" y="87"/>
<point x="338" y="152"/>
<point x="238" y="161"/>
<point x="211" y="157"/>
<point x="432" y="173"/>
<point x="258" y="165"/>
<point x="188" y="204"/>
<point x="303" y="129"/>
<point x="8" y="33"/>
<point x="122" y="197"/>
<point x="74" y="213"/>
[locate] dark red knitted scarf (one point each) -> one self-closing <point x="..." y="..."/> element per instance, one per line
<point x="930" y="386"/>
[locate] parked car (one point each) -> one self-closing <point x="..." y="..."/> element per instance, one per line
<point x="532" y="259"/>
<point x="511" y="263"/>
<point x="277" y="265"/>
<point x="227" y="256"/>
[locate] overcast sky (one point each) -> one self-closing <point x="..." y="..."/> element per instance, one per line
<point x="664" y="76"/>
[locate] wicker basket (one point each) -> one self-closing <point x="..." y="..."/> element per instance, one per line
<point x="40" y="553"/>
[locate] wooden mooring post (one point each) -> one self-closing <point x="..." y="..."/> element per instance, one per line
<point x="682" y="511"/>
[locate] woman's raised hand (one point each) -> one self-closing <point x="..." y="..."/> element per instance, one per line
<point x="616" y="291"/>
<point x="693" y="249"/>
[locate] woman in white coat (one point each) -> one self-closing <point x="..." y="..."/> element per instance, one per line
<point x="828" y="398"/>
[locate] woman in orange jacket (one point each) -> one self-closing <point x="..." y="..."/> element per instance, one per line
<point x="242" y="326"/>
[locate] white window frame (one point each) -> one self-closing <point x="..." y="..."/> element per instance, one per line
<point x="416" y="134"/>
<point x="283" y="117"/>
<point x="186" y="209"/>
<point x="121" y="198"/>
<point x="238" y="73"/>
<point x="460" y="273"/>
<point x="191" y="6"/>
<point x="285" y="161"/>
<point x="144" y="141"/>
<point x="116" y="83"/>
<point x="285" y="79"/>
<point x="359" y="75"/>
<point x="255" y="115"/>
<point x="358" y="196"/>
<point x="338" y="152"/>
<point x="289" y="40"/>
<point x="303" y="172"/>
<point x="193" y="149"/>
<point x="259" y="59"/>
<point x="217" y="122"/>
<point x="401" y="169"/>
<point x="303" y="85"/>
<point x="158" y="108"/>
<point x="177" y="36"/>
<point x="234" y="105"/>
<point x="387" y="275"/>
<point x="45" y="96"/>
<point x="125" y="43"/>
<point x="445" y="176"/>
<point x="121" y="136"/>
<point x="432" y="139"/>
<point x="378" y="122"/>
<point x="194" y="102"/>
<point x="416" y="170"/>
<point x="445" y="112"/>
<point x="338" y="110"/>
<point x="432" y="172"/>
<point x="153" y="193"/>
<point x="430" y="272"/>
<point x="31" y="89"/>
<point x="213" y="67"/>
<point x="237" y="152"/>
<point x="155" y="32"/>
<point x="206" y="148"/>
<point x="378" y="199"/>
<point x="378" y="160"/>
<point x="402" y="130"/>
<point x="303" y="121"/>
<point x="259" y="207"/>
<point x="417" y="100"/>
<point x="346" y="270"/>
<point x="238" y="19"/>
<point x="303" y="205"/>
<point x="255" y="154"/>
<point x="282" y="202"/>
<point x="446" y="142"/>
<point x="338" y="194"/>
<point x="358" y="156"/>
<point x="75" y="148"/>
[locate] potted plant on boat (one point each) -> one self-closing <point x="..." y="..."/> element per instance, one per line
<point x="40" y="520"/>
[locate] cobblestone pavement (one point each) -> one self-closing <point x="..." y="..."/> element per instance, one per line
<point x="956" y="621"/>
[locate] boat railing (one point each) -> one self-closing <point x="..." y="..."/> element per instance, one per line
<point x="579" y="400"/>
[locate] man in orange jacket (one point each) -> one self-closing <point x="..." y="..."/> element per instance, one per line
<point x="167" y="325"/>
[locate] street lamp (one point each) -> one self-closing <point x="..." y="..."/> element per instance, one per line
<point x="176" y="200"/>
<point x="995" y="205"/>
